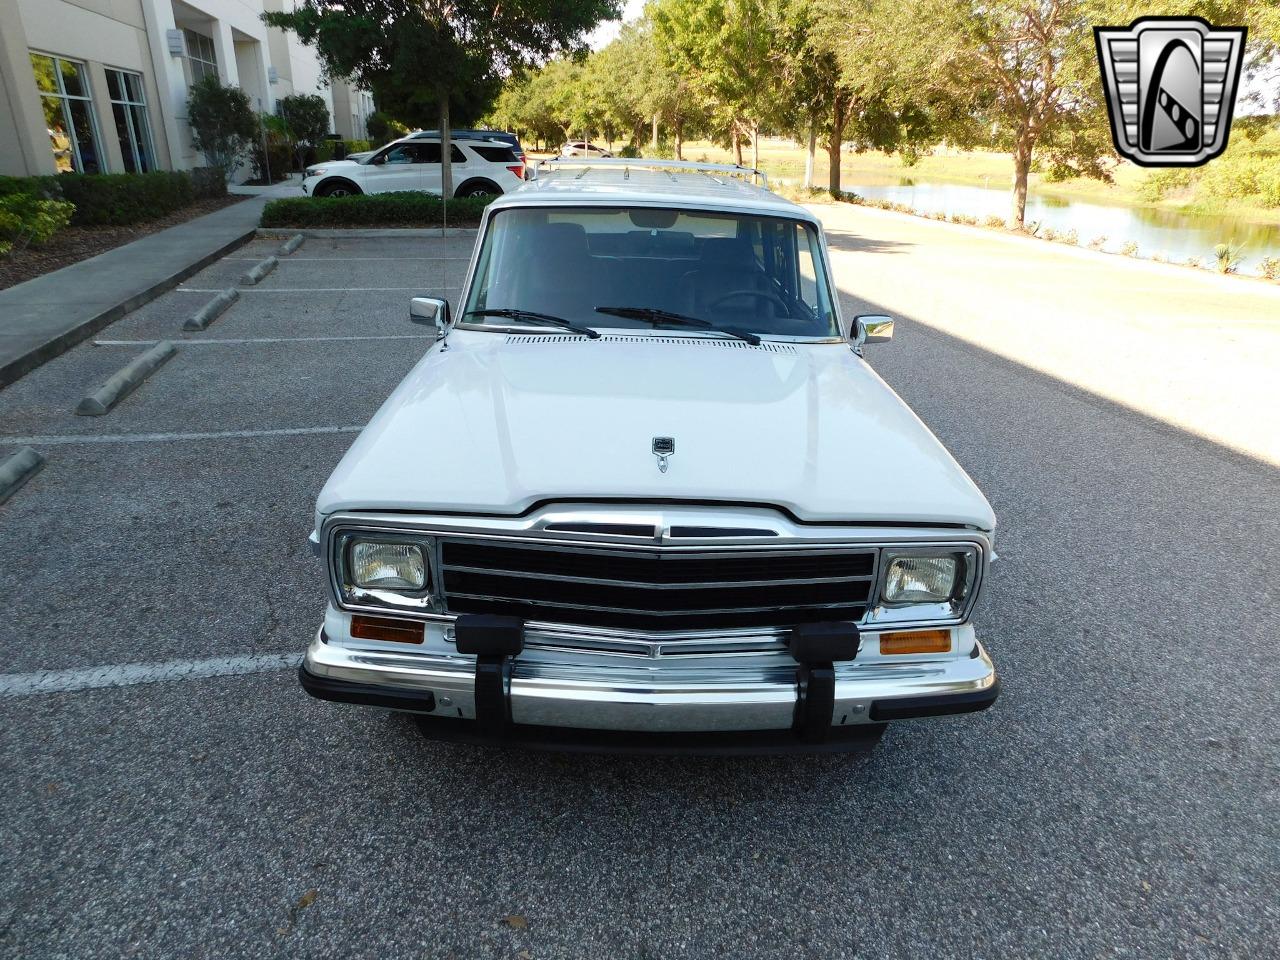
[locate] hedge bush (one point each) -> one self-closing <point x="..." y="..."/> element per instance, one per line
<point x="326" y="149"/>
<point x="374" y="210"/>
<point x="26" y="218"/>
<point x="120" y="199"/>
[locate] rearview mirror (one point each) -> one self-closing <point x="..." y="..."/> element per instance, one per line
<point x="872" y="328"/>
<point x="429" y="311"/>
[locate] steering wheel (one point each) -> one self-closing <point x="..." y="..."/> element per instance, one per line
<point x="758" y="294"/>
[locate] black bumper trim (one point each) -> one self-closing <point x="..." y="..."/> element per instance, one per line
<point x="840" y="739"/>
<point x="909" y="708"/>
<point x="364" y="694"/>
<point x="851" y="739"/>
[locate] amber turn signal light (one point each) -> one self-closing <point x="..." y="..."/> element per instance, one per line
<point x="916" y="641"/>
<point x="384" y="628"/>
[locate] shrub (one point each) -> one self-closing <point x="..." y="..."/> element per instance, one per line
<point x="1070" y="237"/>
<point x="28" y="219"/>
<point x="208" y="183"/>
<point x="308" y="120"/>
<point x="1269" y="267"/>
<point x="994" y="222"/>
<point x="272" y="148"/>
<point x="1048" y="233"/>
<point x="1160" y="183"/>
<point x="43" y="186"/>
<point x="222" y="123"/>
<point x="382" y="128"/>
<point x="1129" y="249"/>
<point x="628" y="151"/>
<point x="372" y="210"/>
<point x="1193" y="262"/>
<point x="1098" y="242"/>
<point x="120" y="199"/>
<point x="1227" y="256"/>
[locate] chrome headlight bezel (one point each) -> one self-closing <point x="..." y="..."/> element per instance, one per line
<point x="951" y="609"/>
<point x="353" y="596"/>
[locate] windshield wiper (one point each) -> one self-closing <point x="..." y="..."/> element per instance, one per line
<point x="656" y="316"/>
<point x="531" y="316"/>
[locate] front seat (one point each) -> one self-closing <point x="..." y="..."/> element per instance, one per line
<point x="727" y="264"/>
<point x="556" y="276"/>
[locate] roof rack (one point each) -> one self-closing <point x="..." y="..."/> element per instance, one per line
<point x="588" y="163"/>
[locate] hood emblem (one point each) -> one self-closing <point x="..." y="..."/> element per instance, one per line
<point x="663" y="447"/>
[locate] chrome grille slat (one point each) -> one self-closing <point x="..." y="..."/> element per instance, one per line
<point x="708" y="584"/>
<point x="567" y="605"/>
<point x="658" y="591"/>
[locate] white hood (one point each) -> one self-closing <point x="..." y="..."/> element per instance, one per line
<point x="496" y="424"/>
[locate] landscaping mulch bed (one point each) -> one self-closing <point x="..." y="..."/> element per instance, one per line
<point x="80" y="243"/>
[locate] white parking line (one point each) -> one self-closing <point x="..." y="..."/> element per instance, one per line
<point x="157" y="437"/>
<point x="249" y="291"/>
<point x="293" y="259"/>
<point x="128" y="674"/>
<point x="216" y="340"/>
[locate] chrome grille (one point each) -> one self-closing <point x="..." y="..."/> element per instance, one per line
<point x="655" y="591"/>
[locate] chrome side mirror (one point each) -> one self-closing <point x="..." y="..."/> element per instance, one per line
<point x="430" y="312"/>
<point x="872" y="328"/>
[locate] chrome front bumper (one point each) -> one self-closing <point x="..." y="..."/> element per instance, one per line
<point x="730" y="695"/>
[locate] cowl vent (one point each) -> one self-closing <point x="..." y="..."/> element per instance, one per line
<point x="542" y="339"/>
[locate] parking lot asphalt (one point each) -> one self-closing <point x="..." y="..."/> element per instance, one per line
<point x="1121" y="798"/>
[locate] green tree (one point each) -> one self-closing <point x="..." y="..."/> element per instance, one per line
<point x="450" y="54"/>
<point x="222" y="123"/>
<point x="308" y="118"/>
<point x="1022" y="74"/>
<point x="723" y="47"/>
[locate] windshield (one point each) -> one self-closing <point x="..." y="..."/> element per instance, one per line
<point x="762" y="275"/>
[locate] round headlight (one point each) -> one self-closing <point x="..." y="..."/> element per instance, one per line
<point x="388" y="565"/>
<point x="920" y="580"/>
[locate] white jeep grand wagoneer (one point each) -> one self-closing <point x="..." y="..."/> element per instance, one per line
<point x="644" y="493"/>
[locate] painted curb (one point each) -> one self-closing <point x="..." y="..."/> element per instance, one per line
<point x="17" y="470"/>
<point x="212" y="310"/>
<point x="55" y="347"/>
<point x="259" y="270"/>
<point x="290" y="245"/>
<point x="122" y="383"/>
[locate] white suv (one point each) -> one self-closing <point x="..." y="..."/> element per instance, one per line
<point x="480" y="168"/>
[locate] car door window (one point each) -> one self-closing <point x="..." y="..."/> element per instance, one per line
<point x="403" y="153"/>
<point x="431" y="153"/>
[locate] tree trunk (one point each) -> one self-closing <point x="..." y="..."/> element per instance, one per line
<point x="446" y="149"/>
<point x="737" y="143"/>
<point x="1021" y="169"/>
<point x="653" y="143"/>
<point x="809" y="155"/>
<point x="755" y="146"/>
<point x="839" y="114"/>
<point x="679" y="134"/>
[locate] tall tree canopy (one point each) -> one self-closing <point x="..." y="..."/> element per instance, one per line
<point x="424" y="60"/>
<point x="1025" y="71"/>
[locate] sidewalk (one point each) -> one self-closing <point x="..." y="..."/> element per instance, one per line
<point x="46" y="316"/>
<point x="285" y="188"/>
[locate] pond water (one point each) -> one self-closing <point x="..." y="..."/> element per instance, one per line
<point x="1176" y="236"/>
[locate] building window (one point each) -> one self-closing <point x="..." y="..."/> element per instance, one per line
<point x="68" y="113"/>
<point x="201" y="59"/>
<point x="133" y="126"/>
